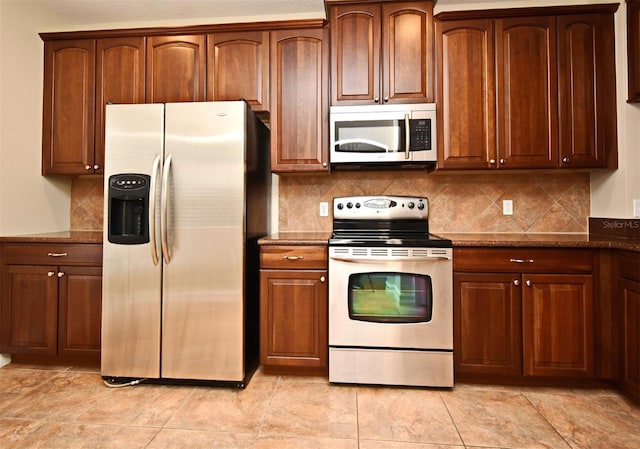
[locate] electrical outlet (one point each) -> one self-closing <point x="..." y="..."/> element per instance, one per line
<point x="324" y="209"/>
<point x="507" y="207"/>
<point x="636" y="208"/>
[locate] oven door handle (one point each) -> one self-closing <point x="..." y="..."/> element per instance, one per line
<point x="390" y="259"/>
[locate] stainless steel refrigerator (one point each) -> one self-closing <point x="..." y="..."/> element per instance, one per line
<point x="187" y="189"/>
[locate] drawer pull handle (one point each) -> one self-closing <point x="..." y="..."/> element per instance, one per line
<point x="293" y="257"/>
<point x="57" y="254"/>
<point x="521" y="260"/>
<point x="51" y="273"/>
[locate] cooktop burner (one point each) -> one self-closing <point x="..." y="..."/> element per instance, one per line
<point x="383" y="221"/>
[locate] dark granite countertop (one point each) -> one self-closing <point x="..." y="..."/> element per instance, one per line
<point x="55" y="237"/>
<point x="540" y="240"/>
<point x="296" y="238"/>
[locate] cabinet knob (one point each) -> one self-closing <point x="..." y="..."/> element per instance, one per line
<point x="322" y="279"/>
<point x="96" y="167"/>
<point x="324" y="164"/>
<point x="516" y="282"/>
<point x="376" y="99"/>
<point x="51" y="273"/>
<point x="492" y="161"/>
<point x="565" y="160"/>
<point x="386" y="99"/>
<point x="502" y="161"/>
<point x="87" y="167"/>
<point x="60" y="274"/>
<point x="528" y="282"/>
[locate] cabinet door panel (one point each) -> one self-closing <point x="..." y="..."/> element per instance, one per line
<point x="631" y="338"/>
<point x="29" y="309"/>
<point x="238" y="67"/>
<point x="586" y="91"/>
<point x="68" y="106"/>
<point x="407" y="52"/>
<point x="299" y="89"/>
<point x="355" y="53"/>
<point x="527" y="92"/>
<point x="558" y="325"/>
<point x="175" y="68"/>
<point x="466" y="94"/>
<point x="80" y="291"/>
<point x="120" y="69"/>
<point x="487" y="317"/>
<point x="293" y="312"/>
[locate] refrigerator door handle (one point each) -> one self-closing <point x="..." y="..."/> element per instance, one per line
<point x="164" y="199"/>
<point x="152" y="210"/>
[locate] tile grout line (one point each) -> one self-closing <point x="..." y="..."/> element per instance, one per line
<point x="266" y="409"/>
<point x="453" y="421"/>
<point x="357" y="420"/>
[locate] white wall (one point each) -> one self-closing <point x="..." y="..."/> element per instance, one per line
<point x="29" y="202"/>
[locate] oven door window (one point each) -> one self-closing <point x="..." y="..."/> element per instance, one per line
<point x="390" y="297"/>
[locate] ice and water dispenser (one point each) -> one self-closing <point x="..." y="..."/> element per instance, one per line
<point x="128" y="208"/>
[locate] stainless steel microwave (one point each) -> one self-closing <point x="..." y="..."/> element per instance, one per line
<point x="383" y="134"/>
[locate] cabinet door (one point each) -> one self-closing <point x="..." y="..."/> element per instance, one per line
<point x="80" y="314"/>
<point x="558" y="334"/>
<point x="487" y="331"/>
<point x="293" y="319"/>
<point x="407" y="52"/>
<point x="633" y="50"/>
<point x="238" y="67"/>
<point x="630" y="291"/>
<point x="355" y="54"/>
<point x="527" y="92"/>
<point x="119" y="79"/>
<point x="29" y="309"/>
<point x="299" y="94"/>
<point x="466" y="94"/>
<point x="587" y="91"/>
<point x="68" y="106"/>
<point x="175" y="68"/>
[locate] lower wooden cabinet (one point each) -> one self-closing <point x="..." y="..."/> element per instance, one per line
<point x="51" y="300"/>
<point x="628" y="302"/>
<point x="293" y="309"/>
<point x="523" y="312"/>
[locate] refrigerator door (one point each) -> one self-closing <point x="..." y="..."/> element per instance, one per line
<point x="202" y="317"/>
<point x="131" y="296"/>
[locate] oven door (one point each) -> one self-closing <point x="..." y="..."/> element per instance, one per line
<point x="397" y="299"/>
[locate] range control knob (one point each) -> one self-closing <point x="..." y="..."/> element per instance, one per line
<point x="357" y="205"/>
<point x="340" y="206"/>
<point x="349" y="205"/>
<point x="421" y="206"/>
<point x="411" y="205"/>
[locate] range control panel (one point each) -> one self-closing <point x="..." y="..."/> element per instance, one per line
<point x="380" y="208"/>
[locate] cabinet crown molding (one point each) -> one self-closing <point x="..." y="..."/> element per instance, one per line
<point x="527" y="12"/>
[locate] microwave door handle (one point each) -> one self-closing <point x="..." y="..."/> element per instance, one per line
<point x="407" y="136"/>
<point x="367" y="141"/>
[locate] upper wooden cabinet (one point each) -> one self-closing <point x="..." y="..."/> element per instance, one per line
<point x="633" y="49"/>
<point x="176" y="68"/>
<point x="238" y="67"/>
<point x="382" y="52"/>
<point x="299" y="100"/>
<point x="120" y="74"/>
<point x="551" y="102"/>
<point x="68" y="107"/>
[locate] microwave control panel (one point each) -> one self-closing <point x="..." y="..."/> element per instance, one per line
<point x="420" y="132"/>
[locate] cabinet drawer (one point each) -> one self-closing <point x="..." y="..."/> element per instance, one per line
<point x="518" y="260"/>
<point x="293" y="257"/>
<point x="56" y="254"/>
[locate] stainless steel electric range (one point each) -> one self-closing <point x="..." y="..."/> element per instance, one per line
<point x="390" y="294"/>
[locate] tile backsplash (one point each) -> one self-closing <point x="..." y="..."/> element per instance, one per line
<point x="542" y="202"/>
<point x="461" y="202"/>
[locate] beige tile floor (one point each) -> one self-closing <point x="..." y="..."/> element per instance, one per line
<point x="65" y="407"/>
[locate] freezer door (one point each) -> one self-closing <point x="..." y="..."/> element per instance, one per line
<point x="131" y="282"/>
<point x="202" y="329"/>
